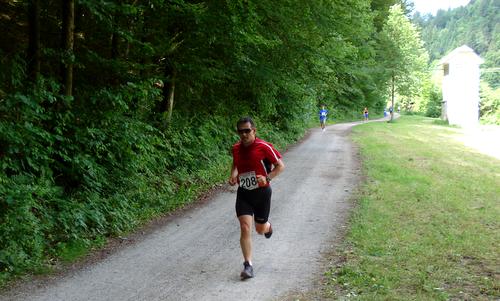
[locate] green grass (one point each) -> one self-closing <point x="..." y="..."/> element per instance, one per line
<point x="72" y="251"/>
<point x="427" y="223"/>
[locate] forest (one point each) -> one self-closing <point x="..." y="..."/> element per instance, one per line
<point x="116" y="112"/>
<point x="478" y="26"/>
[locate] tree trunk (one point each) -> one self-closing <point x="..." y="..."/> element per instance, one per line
<point x="167" y="104"/>
<point x="127" y="43"/>
<point x="392" y="98"/>
<point x="114" y="46"/>
<point x="171" y="100"/>
<point x="68" y="41"/>
<point x="114" y="53"/>
<point x="34" y="40"/>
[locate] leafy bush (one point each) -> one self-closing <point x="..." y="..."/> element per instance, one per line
<point x="433" y="106"/>
<point x="490" y="104"/>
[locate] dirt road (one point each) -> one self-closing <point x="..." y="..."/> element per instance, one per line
<point x="197" y="256"/>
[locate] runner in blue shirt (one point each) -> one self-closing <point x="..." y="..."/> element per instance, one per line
<point x="322" y="116"/>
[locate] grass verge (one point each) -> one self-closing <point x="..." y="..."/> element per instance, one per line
<point x="426" y="226"/>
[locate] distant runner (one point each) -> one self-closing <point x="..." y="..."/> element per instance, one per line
<point x="253" y="159"/>
<point x="365" y="113"/>
<point x="322" y="117"/>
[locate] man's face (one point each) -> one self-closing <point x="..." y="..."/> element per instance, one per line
<point x="247" y="133"/>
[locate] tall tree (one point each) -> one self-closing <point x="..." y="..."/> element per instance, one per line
<point x="405" y="55"/>
<point x="34" y="39"/>
<point x="68" y="41"/>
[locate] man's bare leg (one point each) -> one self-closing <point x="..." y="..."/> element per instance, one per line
<point x="246" y="236"/>
<point x="263" y="228"/>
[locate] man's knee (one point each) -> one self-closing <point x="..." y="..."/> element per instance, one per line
<point x="246" y="226"/>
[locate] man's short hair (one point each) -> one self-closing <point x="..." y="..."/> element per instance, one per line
<point x="244" y="120"/>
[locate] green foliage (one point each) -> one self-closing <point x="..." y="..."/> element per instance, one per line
<point x="433" y="108"/>
<point x="489" y="104"/>
<point x="476" y="25"/>
<point x="406" y="59"/>
<point x="68" y="185"/>
<point x="409" y="58"/>
<point x="429" y="103"/>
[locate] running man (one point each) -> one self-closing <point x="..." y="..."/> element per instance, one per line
<point x="322" y="117"/>
<point x="253" y="159"/>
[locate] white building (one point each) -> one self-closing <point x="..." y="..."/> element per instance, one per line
<point x="461" y="87"/>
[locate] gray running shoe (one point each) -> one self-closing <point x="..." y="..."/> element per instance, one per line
<point x="247" y="271"/>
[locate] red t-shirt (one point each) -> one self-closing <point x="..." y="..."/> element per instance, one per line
<point x="251" y="158"/>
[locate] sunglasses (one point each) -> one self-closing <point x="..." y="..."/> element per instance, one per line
<point x="246" y="131"/>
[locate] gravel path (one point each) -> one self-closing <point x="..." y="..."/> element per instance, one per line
<point x="196" y="256"/>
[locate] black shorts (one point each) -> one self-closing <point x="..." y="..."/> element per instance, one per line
<point x="255" y="202"/>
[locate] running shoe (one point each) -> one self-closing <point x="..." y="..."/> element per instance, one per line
<point x="247" y="271"/>
<point x="270" y="233"/>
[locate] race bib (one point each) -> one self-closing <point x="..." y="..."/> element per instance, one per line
<point x="248" y="180"/>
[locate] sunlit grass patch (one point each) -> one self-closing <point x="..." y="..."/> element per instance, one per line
<point x="427" y="223"/>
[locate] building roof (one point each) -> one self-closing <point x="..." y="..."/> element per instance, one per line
<point x="462" y="53"/>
